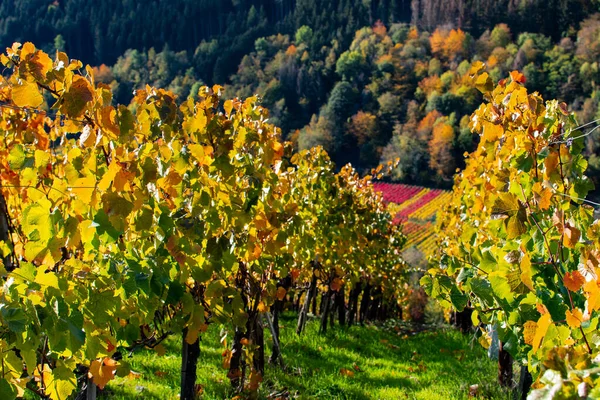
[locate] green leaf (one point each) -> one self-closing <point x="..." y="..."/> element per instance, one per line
<point x="16" y="157"/>
<point x="482" y="289"/>
<point x="459" y="300"/>
<point x="175" y="293"/>
<point x="15" y="319"/>
<point x="500" y="286"/>
<point x="509" y="208"/>
<point x="7" y="391"/>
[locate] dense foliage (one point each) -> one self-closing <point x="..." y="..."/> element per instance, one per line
<point x="391" y="92"/>
<point x="366" y="90"/>
<point x="124" y="225"/>
<point x="518" y="243"/>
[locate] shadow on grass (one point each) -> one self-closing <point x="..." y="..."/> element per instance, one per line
<point x="347" y="363"/>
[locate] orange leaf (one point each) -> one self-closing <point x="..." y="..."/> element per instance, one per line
<point x="516" y="76"/>
<point x="336" y="285"/>
<point x="278" y="149"/>
<point x="571" y="236"/>
<point x="255" y="380"/>
<point x="573" y="280"/>
<point x="346" y="372"/>
<point x="103" y="371"/>
<point x="160" y="350"/>
<point x="541" y="308"/>
<point x="574" y="318"/>
<point x="542" y="196"/>
<point x="295" y="272"/>
<point x="76" y="98"/>
<point x="281" y="293"/>
<point x="529" y="329"/>
<point x="160" y="374"/>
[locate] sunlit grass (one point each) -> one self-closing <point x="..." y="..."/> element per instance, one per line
<point x="386" y="365"/>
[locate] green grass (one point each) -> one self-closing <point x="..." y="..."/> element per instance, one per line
<point x="439" y="364"/>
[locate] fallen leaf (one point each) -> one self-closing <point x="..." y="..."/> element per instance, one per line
<point x="160" y="350"/>
<point x="473" y="390"/>
<point x="133" y="375"/>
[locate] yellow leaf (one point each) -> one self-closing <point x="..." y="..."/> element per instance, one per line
<point x="109" y="176"/>
<point x="27" y="94"/>
<point x="228" y="106"/>
<point x="542" y="327"/>
<point x="574" y="318"/>
<point x="542" y="196"/>
<point x="278" y="149"/>
<point x="134" y="375"/>
<point x="197" y="123"/>
<point x="592" y="292"/>
<point x="529" y="329"/>
<point x="526" y="273"/>
<point x="199" y="153"/>
<point x="39" y="65"/>
<point x="191" y="336"/>
<point x="27" y="49"/>
<point x="573" y="280"/>
<point x="46" y="279"/>
<point x="84" y="188"/>
<point x="491" y="132"/>
<point x="261" y="307"/>
<point x="550" y="164"/>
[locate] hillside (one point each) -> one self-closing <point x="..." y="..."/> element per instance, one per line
<point x="380" y="80"/>
<point x="415" y="208"/>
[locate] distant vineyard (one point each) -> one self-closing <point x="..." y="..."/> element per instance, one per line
<point x="415" y="208"/>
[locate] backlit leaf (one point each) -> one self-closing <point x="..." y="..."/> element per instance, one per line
<point x="573" y="280"/>
<point x="27" y="94"/>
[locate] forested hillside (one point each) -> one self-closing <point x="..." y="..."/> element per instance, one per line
<point x="369" y="81"/>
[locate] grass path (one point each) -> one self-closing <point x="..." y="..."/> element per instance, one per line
<point x="386" y="364"/>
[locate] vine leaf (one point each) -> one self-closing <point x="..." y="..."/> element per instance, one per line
<point x="529" y="330"/>
<point x="27" y="94"/>
<point x="571" y="236"/>
<point x="542" y="327"/>
<point x="573" y="280"/>
<point x="574" y="318"/>
<point x="509" y="208"/>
